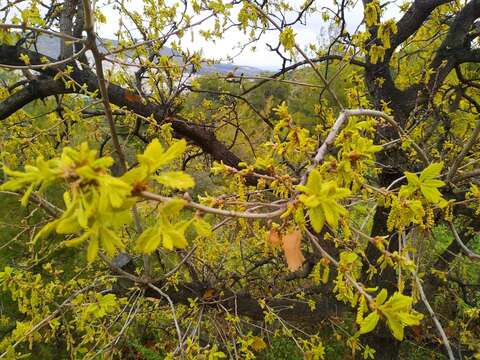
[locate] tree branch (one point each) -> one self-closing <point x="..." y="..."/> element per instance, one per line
<point x="411" y="21"/>
<point x="117" y="95"/>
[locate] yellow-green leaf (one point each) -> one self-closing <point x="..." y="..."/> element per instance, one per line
<point x="76" y="241"/>
<point x="317" y="218"/>
<point x="369" y="323"/>
<point x="148" y="241"/>
<point x="45" y="231"/>
<point x="432" y="171"/>
<point x="176" y="179"/>
<point x="92" y="250"/>
<point x="153" y="152"/>
<point x="173" y="152"/>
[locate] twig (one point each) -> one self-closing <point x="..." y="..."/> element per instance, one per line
<point x="437" y="323"/>
<point x="50" y="208"/>
<point x="391" y="121"/>
<point x="344" y="115"/>
<point x="120" y="271"/>
<point x="352" y="281"/>
<point x="466" y="148"/>
<point x="322" y="150"/>
<point x="468" y="252"/>
<point x="172" y="307"/>
<point x="207" y="209"/>
<point x="307" y="59"/>
<point x="424" y="299"/>
<point x="92" y="45"/>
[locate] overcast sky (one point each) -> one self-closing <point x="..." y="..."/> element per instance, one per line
<point x="314" y="30"/>
<point x="312" y="33"/>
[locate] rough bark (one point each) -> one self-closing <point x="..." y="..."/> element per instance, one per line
<point x="66" y="27"/>
<point x="245" y="304"/>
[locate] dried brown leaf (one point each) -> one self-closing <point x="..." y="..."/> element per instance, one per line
<point x="274" y="237"/>
<point x="291" y="244"/>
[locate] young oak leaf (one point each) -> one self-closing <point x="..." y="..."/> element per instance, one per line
<point x="152" y="153"/>
<point x="175" y="179"/>
<point x="321" y="197"/>
<point x="152" y="159"/>
<point x="165" y="233"/>
<point x="175" y="236"/>
<point x="113" y="192"/>
<point x="149" y="240"/>
<point x="97" y="235"/>
<point x="399" y="314"/>
<point x="291" y="244"/>
<point x="110" y="241"/>
<point x="202" y="227"/>
<point x="427" y="183"/>
<point x="397" y="311"/>
<point x="93" y="246"/>
<point x="174" y="151"/>
<point x="369" y="323"/>
<point x="45" y="231"/>
<point x="155" y="156"/>
<point x="39" y="175"/>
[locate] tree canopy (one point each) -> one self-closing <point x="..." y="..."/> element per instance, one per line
<point x="327" y="209"/>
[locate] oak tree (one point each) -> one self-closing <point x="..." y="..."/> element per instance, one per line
<point x="327" y="209"/>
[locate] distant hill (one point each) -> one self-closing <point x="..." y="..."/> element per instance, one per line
<point x="50" y="46"/>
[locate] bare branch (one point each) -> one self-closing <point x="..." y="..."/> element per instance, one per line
<point x="466" y="250"/>
<point x="229" y="213"/>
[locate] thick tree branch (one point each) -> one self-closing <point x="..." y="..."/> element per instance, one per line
<point x="36" y="89"/>
<point x="117" y="95"/>
<point x="454" y="48"/>
<point x="411" y="21"/>
<point x="244" y="304"/>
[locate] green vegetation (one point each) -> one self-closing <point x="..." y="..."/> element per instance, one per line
<point x="329" y="210"/>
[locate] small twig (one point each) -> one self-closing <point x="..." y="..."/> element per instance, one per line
<point x="437" y="323"/>
<point x="467" y="175"/>
<point x="344" y="115"/>
<point x="159" y="39"/>
<point x="466" y="250"/>
<point x="175" y="269"/>
<point x="50" y="208"/>
<point x="466" y="148"/>
<point x="172" y="307"/>
<point x="92" y="45"/>
<point x="207" y="209"/>
<point x="307" y="59"/>
<point x="391" y="121"/>
<point x="120" y="271"/>
<point x="424" y="299"/>
<point x="351" y="280"/>
<point x="291" y="82"/>
<point x="322" y="150"/>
